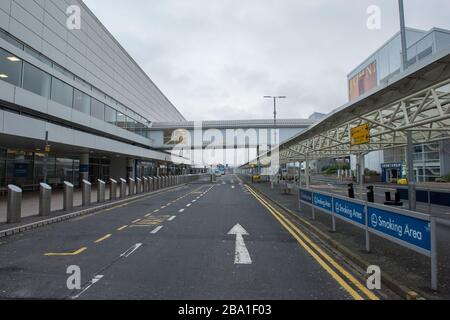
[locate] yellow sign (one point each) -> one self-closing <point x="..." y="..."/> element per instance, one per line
<point x="47" y="149"/>
<point x="360" y="135"/>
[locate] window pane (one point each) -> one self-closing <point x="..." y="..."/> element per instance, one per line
<point x="10" y="68"/>
<point x="110" y="115"/>
<point x="81" y="102"/>
<point x="121" y="120"/>
<point x="97" y="109"/>
<point x="62" y="92"/>
<point x="36" y="80"/>
<point x="37" y="55"/>
<point x="11" y="39"/>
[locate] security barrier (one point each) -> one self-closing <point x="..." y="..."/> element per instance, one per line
<point x="101" y="191"/>
<point x="112" y="189"/>
<point x="68" y="196"/>
<point x="410" y="229"/>
<point x="14" y="205"/>
<point x="45" y="199"/>
<point x="86" y="193"/>
<point x="123" y="188"/>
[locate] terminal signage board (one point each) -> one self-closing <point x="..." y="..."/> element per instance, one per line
<point x="351" y="211"/>
<point x="322" y="201"/>
<point x="409" y="230"/>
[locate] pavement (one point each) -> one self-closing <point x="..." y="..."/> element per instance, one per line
<point x="405" y="266"/>
<point x="198" y="241"/>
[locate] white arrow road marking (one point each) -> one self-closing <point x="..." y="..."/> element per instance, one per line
<point x="130" y="251"/>
<point x="93" y="281"/>
<point x="241" y="256"/>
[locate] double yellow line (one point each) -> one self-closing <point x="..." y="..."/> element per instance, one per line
<point x="337" y="272"/>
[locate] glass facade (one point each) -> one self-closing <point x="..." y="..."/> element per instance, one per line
<point x="36" y="80"/>
<point x="26" y="75"/>
<point x="26" y="169"/>
<point x="62" y="92"/>
<point x="10" y="68"/>
<point x="81" y="102"/>
<point x="97" y="109"/>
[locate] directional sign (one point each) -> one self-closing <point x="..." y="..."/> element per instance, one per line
<point x="360" y="135"/>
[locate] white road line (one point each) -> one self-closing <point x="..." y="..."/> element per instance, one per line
<point x="130" y="251"/>
<point x="194" y="201"/>
<point x="156" y="210"/>
<point x="181" y="210"/>
<point x="171" y="218"/>
<point x="93" y="281"/>
<point x="156" y="230"/>
<point x="232" y="187"/>
<point x="188" y="205"/>
<point x="198" y="198"/>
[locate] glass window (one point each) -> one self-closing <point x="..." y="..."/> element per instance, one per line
<point x="64" y="71"/>
<point x="110" y="115"/>
<point x="81" y="102"/>
<point x="62" y="92"/>
<point x="97" y="109"/>
<point x="100" y="93"/>
<point x="121" y="120"/>
<point x="10" y="68"/>
<point x="83" y="83"/>
<point x="36" y="80"/>
<point x="37" y="55"/>
<point x="5" y="36"/>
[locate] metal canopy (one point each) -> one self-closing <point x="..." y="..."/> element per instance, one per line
<point x="416" y="101"/>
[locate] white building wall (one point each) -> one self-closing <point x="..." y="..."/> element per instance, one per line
<point x="90" y="53"/>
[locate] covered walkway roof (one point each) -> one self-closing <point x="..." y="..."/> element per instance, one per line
<point x="417" y="100"/>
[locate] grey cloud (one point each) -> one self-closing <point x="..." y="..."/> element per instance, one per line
<point x="216" y="59"/>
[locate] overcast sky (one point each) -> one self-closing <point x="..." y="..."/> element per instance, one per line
<point x="216" y="59"/>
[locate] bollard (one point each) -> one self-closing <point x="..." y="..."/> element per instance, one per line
<point x="123" y="188"/>
<point x="101" y="191"/>
<point x="388" y="196"/>
<point x="351" y="191"/>
<point x="131" y="187"/>
<point x="164" y="182"/>
<point x="370" y="194"/>
<point x="138" y="185"/>
<point x="112" y="190"/>
<point x="86" y="193"/>
<point x="145" y="188"/>
<point x="45" y="199"/>
<point x="156" y="183"/>
<point x="68" y="196"/>
<point x="151" y="186"/>
<point x="14" y="206"/>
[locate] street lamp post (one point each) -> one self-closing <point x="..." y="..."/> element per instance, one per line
<point x="403" y="35"/>
<point x="275" y="98"/>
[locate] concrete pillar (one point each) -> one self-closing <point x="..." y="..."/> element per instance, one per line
<point x="84" y="167"/>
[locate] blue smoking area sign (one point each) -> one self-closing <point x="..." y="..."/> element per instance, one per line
<point x="413" y="230"/>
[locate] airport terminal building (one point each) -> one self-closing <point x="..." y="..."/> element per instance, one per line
<point x="80" y="89"/>
<point x="431" y="161"/>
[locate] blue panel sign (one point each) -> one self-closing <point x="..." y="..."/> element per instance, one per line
<point x="351" y="211"/>
<point x="20" y="170"/>
<point x="413" y="231"/>
<point x="305" y="196"/>
<point x="323" y="202"/>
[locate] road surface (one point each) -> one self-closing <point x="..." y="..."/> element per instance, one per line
<point x="199" y="241"/>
